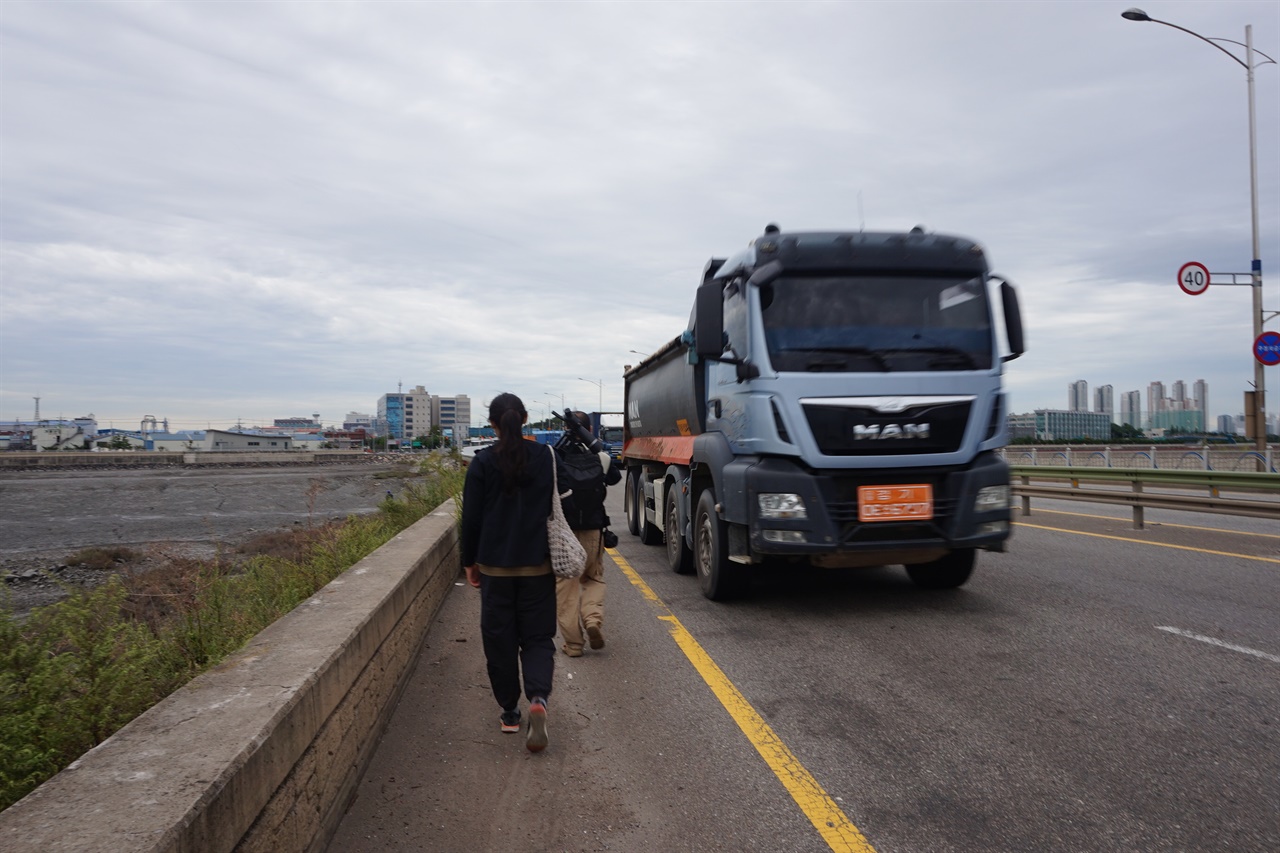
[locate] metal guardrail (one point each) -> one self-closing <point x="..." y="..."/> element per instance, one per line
<point x="1181" y="457"/>
<point x="1256" y="495"/>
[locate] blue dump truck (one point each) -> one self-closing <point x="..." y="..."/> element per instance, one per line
<point x="837" y="399"/>
<point x="608" y="428"/>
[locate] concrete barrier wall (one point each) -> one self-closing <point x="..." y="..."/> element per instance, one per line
<point x="263" y="752"/>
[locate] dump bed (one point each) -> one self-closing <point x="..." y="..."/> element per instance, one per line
<point x="665" y="394"/>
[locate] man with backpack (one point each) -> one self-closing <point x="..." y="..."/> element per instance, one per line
<point x="580" y="600"/>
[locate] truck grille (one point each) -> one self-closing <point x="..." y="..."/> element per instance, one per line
<point x="864" y="431"/>
<point x="854" y="532"/>
<point x="843" y="509"/>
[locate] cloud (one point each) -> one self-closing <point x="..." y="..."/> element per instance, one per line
<point x="222" y="211"/>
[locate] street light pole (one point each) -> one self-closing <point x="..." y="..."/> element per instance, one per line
<point x="599" y="385"/>
<point x="1259" y="378"/>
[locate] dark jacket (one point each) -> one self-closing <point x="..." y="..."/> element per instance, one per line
<point x="506" y="529"/>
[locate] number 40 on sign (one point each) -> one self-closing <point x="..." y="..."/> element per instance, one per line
<point x="1193" y="278"/>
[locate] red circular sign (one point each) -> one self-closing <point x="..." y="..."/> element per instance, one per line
<point x="1193" y="278"/>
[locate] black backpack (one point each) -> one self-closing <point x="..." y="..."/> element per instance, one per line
<point x="584" y="509"/>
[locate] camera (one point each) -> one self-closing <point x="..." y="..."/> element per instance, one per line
<point x="575" y="429"/>
<point x="610" y="538"/>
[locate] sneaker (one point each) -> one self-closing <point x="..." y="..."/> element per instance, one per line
<point x="572" y="651"/>
<point x="595" y="636"/>
<point x="536" y="738"/>
<point x="510" y="722"/>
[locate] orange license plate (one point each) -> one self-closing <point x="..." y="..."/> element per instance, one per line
<point x="895" y="503"/>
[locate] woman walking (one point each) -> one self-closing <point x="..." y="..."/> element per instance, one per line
<point x="505" y="504"/>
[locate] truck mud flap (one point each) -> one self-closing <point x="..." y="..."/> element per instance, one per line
<point x="739" y="549"/>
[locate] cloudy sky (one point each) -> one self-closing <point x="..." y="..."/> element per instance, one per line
<point x="222" y="211"/>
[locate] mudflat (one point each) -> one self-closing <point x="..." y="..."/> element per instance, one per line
<point x="47" y="515"/>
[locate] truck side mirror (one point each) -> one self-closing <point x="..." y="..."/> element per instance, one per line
<point x="708" y="322"/>
<point x="1012" y="320"/>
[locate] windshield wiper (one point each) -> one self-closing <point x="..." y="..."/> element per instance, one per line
<point x="876" y="356"/>
<point x="949" y="353"/>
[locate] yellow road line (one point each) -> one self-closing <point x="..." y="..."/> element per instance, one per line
<point x="832" y="824"/>
<point x="1144" y="542"/>
<point x="1161" y="523"/>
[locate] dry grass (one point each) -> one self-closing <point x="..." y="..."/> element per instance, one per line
<point x="288" y="544"/>
<point x="103" y="558"/>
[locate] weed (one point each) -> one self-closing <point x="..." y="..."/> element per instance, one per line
<point x="314" y="489"/>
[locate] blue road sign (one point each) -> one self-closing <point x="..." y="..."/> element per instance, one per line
<point x="1266" y="348"/>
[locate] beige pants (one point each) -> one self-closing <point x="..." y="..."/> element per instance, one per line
<point x="580" y="600"/>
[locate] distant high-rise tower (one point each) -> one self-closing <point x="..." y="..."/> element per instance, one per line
<point x="1155" y="399"/>
<point x="1104" y="401"/>
<point x="1131" y="409"/>
<point x="1078" y="396"/>
<point x="1200" y="394"/>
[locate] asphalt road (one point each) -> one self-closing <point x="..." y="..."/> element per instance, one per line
<point x="1095" y="688"/>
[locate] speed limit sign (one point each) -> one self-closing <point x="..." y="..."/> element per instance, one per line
<point x="1193" y="278"/>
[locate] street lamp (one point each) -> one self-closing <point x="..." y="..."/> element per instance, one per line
<point x="599" y="385"/>
<point x="1259" y="380"/>
<point x="554" y="394"/>
<point x="547" y="421"/>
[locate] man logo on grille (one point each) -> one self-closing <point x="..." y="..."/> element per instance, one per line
<point x="882" y="431"/>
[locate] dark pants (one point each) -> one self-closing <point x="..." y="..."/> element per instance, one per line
<point x="518" y="625"/>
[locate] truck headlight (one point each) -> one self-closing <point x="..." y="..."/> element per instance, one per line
<point x="991" y="498"/>
<point x="782" y="506"/>
<point x="790" y="537"/>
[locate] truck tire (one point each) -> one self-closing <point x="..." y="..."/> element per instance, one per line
<point x="946" y="572"/>
<point x="679" y="555"/>
<point x="720" y="579"/>
<point x="649" y="533"/>
<point x="631" y="503"/>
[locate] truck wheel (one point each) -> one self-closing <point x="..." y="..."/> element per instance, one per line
<point x="720" y="580"/>
<point x="946" y="572"/>
<point x="631" y="502"/>
<point x="679" y="555"/>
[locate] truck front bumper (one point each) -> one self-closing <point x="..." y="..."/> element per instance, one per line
<point x="832" y="525"/>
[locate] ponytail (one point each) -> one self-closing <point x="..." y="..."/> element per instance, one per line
<point x="508" y="414"/>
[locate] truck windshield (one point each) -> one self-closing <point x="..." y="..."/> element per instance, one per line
<point x="877" y="323"/>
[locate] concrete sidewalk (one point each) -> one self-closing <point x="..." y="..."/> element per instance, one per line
<point x="642" y="754"/>
<point x="445" y="778"/>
